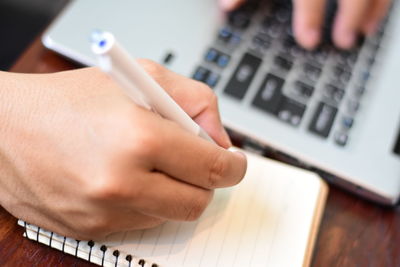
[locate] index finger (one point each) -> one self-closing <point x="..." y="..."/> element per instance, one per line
<point x="195" y="98"/>
<point x="308" y="17"/>
<point x="348" y="22"/>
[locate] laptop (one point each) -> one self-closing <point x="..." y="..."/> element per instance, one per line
<point x="331" y="111"/>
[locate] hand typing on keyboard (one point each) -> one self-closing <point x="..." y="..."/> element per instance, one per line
<point x="352" y="18"/>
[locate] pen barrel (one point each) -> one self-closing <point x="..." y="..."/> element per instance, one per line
<point x="139" y="85"/>
<point x="122" y="64"/>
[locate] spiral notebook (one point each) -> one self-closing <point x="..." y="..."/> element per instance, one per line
<point x="270" y="219"/>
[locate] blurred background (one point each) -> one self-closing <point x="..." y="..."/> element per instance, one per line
<point x="20" y="22"/>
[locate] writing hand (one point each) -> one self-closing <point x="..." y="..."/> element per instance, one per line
<point x="79" y="158"/>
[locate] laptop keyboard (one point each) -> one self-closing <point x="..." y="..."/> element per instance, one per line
<point x="328" y="82"/>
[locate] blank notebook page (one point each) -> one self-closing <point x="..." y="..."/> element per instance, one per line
<point x="266" y="220"/>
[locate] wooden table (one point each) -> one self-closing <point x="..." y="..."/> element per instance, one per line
<point x="354" y="232"/>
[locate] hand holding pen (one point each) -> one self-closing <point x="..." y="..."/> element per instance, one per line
<point x="138" y="84"/>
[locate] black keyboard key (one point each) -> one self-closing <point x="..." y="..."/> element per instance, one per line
<point x="323" y="119"/>
<point x="312" y="72"/>
<point x="275" y="30"/>
<point x="289" y="43"/>
<point x="283" y="15"/>
<point x="239" y="19"/>
<point x="345" y="77"/>
<point x="291" y="111"/>
<point x="333" y="93"/>
<point x="283" y="63"/>
<point x="290" y="46"/>
<point x="201" y="74"/>
<point x="243" y="76"/>
<point x="269" y="95"/>
<point x="342" y="74"/>
<point x="303" y="90"/>
<point x="319" y="55"/>
<point x="261" y="42"/>
<point x="268" y="22"/>
<point x="347" y="58"/>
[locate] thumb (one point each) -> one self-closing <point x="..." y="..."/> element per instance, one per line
<point x="229" y="5"/>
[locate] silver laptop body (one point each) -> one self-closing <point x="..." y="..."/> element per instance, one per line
<point x="335" y="112"/>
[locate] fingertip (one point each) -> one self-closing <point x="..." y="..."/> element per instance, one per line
<point x="242" y="163"/>
<point x="229" y="5"/>
<point x="344" y="39"/>
<point x="241" y="156"/>
<point x="225" y="139"/>
<point x="211" y="123"/>
<point x="308" y="38"/>
<point x="307" y="34"/>
<point x="218" y="134"/>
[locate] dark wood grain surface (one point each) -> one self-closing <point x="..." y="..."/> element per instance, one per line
<point x="354" y="232"/>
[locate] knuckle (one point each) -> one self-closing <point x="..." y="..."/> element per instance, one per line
<point x="212" y="97"/>
<point x="212" y="100"/>
<point x="207" y="99"/>
<point x="217" y="170"/>
<point x="146" y="143"/>
<point x="103" y="189"/>
<point x="112" y="188"/>
<point x="140" y="134"/>
<point x="208" y="93"/>
<point x="197" y="206"/>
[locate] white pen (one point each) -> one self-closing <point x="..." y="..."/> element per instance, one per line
<point x="138" y="84"/>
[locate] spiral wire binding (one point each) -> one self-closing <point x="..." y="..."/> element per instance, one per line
<point x="77" y="246"/>
<point x="129" y="259"/>
<point x="51" y="238"/>
<point x="104" y="249"/>
<point x="91" y="245"/>
<point x="63" y="244"/>
<point x="116" y="253"/>
<point x="26" y="232"/>
<point x="37" y="234"/>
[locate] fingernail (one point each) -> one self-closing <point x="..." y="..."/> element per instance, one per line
<point x="239" y="154"/>
<point x="311" y="38"/>
<point x="346" y="39"/>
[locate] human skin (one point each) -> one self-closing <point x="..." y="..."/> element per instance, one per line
<point x="78" y="157"/>
<point x="353" y="17"/>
